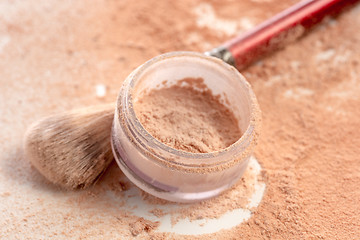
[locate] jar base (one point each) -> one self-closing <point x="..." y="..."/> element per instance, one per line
<point x="166" y="192"/>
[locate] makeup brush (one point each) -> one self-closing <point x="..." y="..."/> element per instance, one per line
<point x="73" y="149"/>
<point x="278" y="31"/>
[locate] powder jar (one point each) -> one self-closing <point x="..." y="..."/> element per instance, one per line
<point x="173" y="174"/>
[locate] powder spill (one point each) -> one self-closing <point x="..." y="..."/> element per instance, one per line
<point x="141" y="225"/>
<point x="187" y="119"/>
<point x="309" y="154"/>
<point x="223" y="212"/>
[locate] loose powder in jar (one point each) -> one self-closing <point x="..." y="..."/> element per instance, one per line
<point x="188" y="117"/>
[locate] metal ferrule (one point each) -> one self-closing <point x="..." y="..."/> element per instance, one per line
<point x="222" y="53"/>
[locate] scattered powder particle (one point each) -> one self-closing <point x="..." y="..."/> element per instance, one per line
<point x="188" y="119"/>
<point x="142" y="225"/>
<point x="326" y="55"/>
<point x="100" y="90"/>
<point x="4" y="40"/>
<point x="5" y="194"/>
<point x="157" y="212"/>
<point x="119" y="186"/>
<point x="124" y="186"/>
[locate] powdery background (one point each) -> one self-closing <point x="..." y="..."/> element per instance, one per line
<point x="54" y="53"/>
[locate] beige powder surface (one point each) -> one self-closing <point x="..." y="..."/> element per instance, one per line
<point x="188" y="119"/>
<point x="53" y="54"/>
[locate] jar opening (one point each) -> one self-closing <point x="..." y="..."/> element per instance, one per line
<point x="222" y="79"/>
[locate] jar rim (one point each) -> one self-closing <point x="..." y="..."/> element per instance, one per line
<point x="246" y="142"/>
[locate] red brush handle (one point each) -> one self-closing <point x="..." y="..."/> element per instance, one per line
<point x="279" y="30"/>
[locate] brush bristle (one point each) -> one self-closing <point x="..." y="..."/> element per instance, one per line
<point x="72" y="149"/>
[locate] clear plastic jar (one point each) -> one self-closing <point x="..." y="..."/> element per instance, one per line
<point x="173" y="174"/>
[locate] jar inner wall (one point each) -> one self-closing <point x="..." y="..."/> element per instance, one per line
<point x="233" y="93"/>
<point x="169" y="173"/>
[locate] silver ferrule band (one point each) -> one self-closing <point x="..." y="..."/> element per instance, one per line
<point x="222" y="53"/>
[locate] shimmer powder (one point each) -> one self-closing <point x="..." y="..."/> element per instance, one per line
<point x="188" y="117"/>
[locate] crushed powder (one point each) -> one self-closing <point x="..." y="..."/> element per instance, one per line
<point x="188" y="119"/>
<point x="308" y="147"/>
<point x="142" y="225"/>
